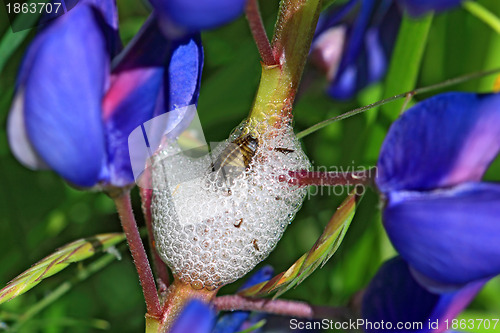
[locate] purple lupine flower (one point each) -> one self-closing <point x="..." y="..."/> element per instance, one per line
<point x="195" y="15"/>
<point x="196" y="317"/>
<point x="239" y="320"/>
<point x="439" y="215"/>
<point x="395" y="298"/>
<point x="421" y="7"/>
<point x="73" y="110"/>
<point x="353" y="44"/>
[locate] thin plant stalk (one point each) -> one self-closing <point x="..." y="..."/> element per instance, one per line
<point x="290" y="308"/>
<point x="426" y="89"/>
<point x="129" y="225"/>
<point x="318" y="178"/>
<point x="254" y="18"/>
<point x="62" y="289"/>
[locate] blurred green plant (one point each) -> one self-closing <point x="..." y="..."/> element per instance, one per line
<point x="74" y="252"/>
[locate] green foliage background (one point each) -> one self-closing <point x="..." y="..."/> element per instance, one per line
<point x="39" y="212"/>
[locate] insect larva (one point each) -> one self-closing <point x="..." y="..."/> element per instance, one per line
<point x="234" y="159"/>
<point x="238" y="223"/>
<point x="255" y="246"/>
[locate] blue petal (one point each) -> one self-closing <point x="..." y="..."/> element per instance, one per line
<point x="234" y="321"/>
<point x="182" y="81"/>
<point x="376" y="58"/>
<point x="195" y="15"/>
<point x="196" y="317"/>
<point x="106" y="7"/>
<point x="109" y="16"/>
<point x="449" y="236"/>
<point x="356" y="37"/>
<point x="263" y="274"/>
<point x="334" y="17"/>
<point x="420" y="7"/>
<point x="151" y="70"/>
<point x="63" y="87"/>
<point x="345" y="84"/>
<point x="369" y="42"/>
<point x="136" y="82"/>
<point x="393" y="296"/>
<point x="442" y="141"/>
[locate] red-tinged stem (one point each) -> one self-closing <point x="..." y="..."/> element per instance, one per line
<point x="318" y="178"/>
<point x="129" y="225"/>
<point x="278" y="84"/>
<point x="259" y="32"/>
<point x="281" y="307"/>
<point x="159" y="266"/>
<point x="293" y="36"/>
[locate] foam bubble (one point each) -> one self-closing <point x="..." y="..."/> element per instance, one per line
<point x="212" y="232"/>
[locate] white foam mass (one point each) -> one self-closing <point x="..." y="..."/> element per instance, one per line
<point x="212" y="232"/>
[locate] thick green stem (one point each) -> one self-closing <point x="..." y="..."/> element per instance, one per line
<point x="153" y="325"/>
<point x="291" y="42"/>
<point x="178" y="294"/>
<point x="293" y="35"/>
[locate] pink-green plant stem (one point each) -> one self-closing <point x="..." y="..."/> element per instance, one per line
<point x="178" y="294"/>
<point x="291" y="42"/>
<point x="319" y="178"/>
<point x="129" y="225"/>
<point x="281" y="307"/>
<point x="254" y="18"/>
<point x="273" y="103"/>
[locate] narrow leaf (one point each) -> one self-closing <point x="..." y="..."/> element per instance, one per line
<point x="484" y="15"/>
<point x="254" y="327"/>
<point x="74" y="252"/>
<point x="320" y="253"/>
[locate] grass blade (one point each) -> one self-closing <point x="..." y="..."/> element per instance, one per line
<point x="405" y="61"/>
<point x="74" y="252"/>
<point x="320" y="253"/>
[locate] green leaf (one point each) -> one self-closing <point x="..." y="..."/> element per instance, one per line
<point x="73" y="252"/>
<point x="320" y="253"/>
<point x="483" y="14"/>
<point x="405" y="61"/>
<point x="477" y="322"/>
<point x="12" y="40"/>
<point x="491" y="59"/>
<point x="254" y="327"/>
